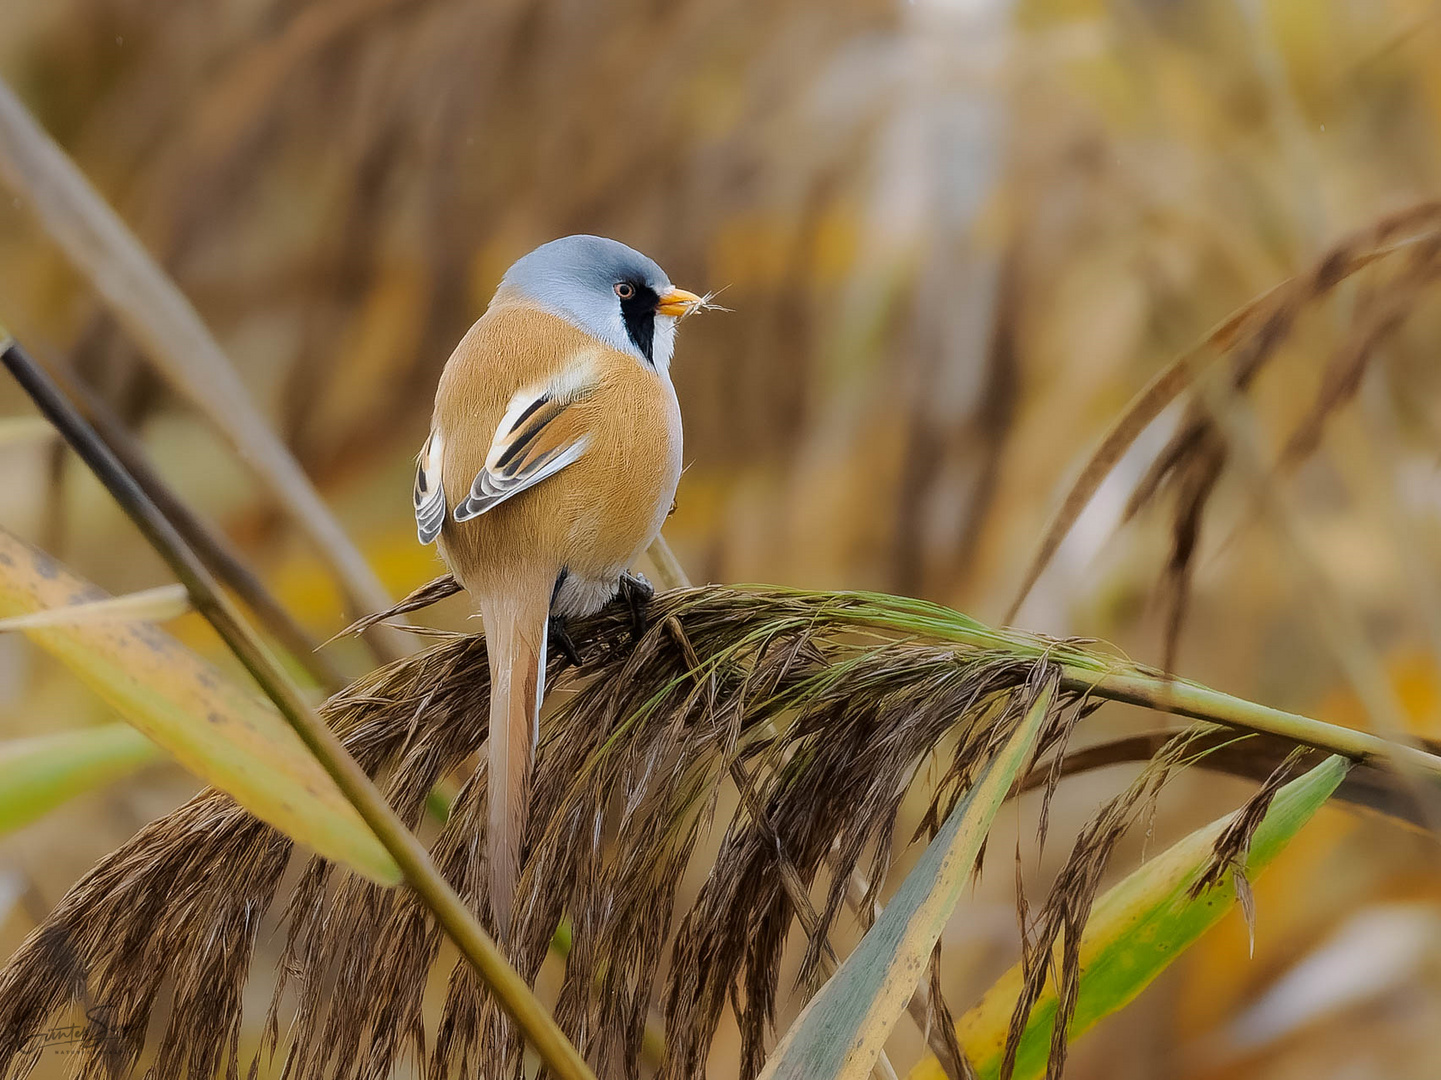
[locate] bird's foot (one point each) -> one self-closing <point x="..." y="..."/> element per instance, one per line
<point x="560" y="637"/>
<point x="637" y="592"/>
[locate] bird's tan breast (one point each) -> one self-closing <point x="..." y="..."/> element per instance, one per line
<point x="597" y="514"/>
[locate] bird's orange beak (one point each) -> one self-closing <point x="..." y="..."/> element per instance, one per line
<point x="678" y="302"/>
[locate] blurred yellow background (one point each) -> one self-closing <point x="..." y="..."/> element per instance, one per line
<point x="954" y="236"/>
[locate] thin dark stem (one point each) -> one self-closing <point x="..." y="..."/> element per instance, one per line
<point x="1246" y="756"/>
<point x="410" y="855"/>
<point x="213" y="547"/>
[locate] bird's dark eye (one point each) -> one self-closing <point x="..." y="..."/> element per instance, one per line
<point x="624" y="289"/>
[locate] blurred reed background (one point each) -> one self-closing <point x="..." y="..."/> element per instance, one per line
<point x="955" y="237"/>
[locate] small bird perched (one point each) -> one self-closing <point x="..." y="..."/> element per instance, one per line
<point x="553" y="459"/>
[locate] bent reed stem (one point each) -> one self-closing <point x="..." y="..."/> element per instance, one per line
<point x="1117" y="679"/>
<point x="1202" y="703"/>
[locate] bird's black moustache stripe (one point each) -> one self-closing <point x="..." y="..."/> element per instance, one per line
<point x="638" y="311"/>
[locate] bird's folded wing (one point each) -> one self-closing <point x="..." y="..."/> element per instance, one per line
<point x="429" y="494"/>
<point x="539" y="435"/>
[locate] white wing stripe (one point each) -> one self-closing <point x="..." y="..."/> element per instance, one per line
<point x="485" y="494"/>
<point x="493" y="485"/>
<point x="429" y="493"/>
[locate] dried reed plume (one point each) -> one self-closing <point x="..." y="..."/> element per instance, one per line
<point x="828" y="716"/>
<point x="1194" y="459"/>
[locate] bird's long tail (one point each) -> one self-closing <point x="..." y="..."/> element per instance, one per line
<point x="515" y="630"/>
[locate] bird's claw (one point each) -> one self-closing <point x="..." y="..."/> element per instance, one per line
<point x="560" y="637"/>
<point x="637" y="592"/>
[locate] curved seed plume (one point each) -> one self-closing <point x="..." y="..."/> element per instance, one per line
<point x="830" y="716"/>
<point x="1252" y="334"/>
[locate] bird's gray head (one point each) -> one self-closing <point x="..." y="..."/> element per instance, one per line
<point x="610" y="291"/>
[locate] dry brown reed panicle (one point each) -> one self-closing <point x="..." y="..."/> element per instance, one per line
<point x="829" y="720"/>
<point x="888" y="708"/>
<point x="1228" y="856"/>
<point x="1062" y="918"/>
<point x="1194" y="459"/>
<point x="432" y="592"/>
<point x="1059" y="924"/>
